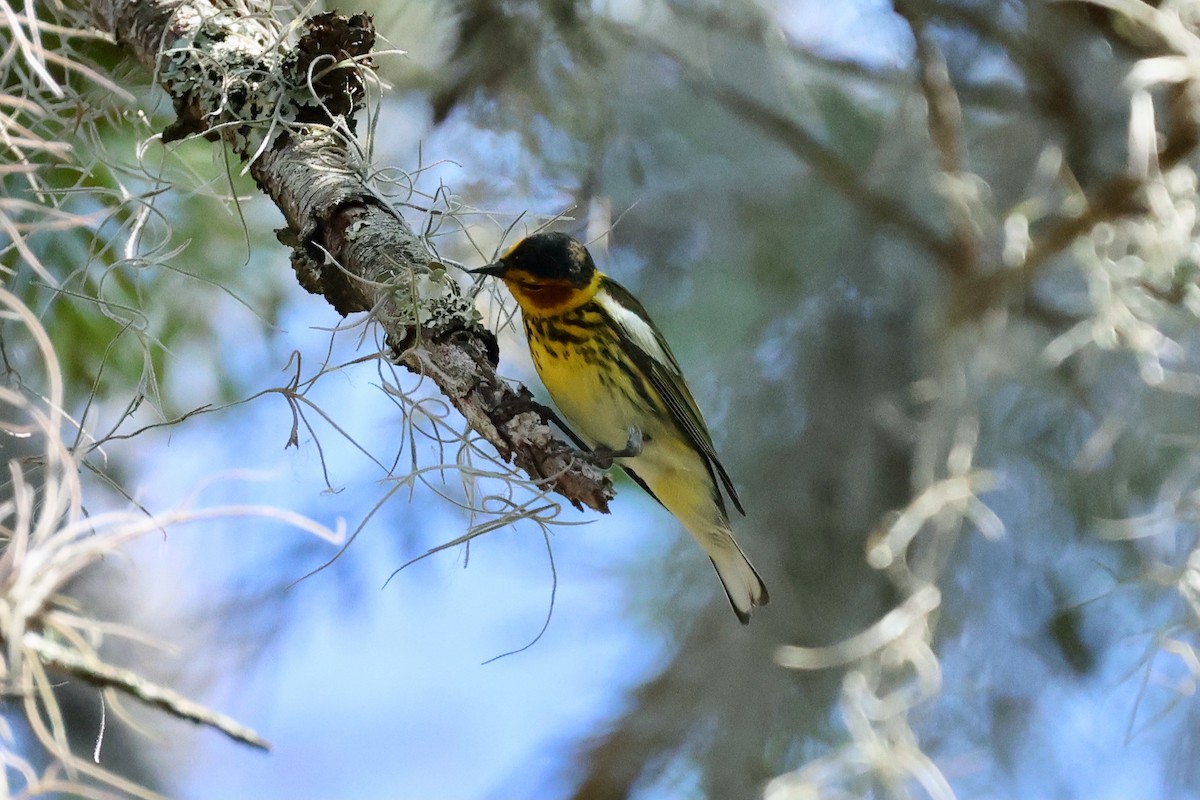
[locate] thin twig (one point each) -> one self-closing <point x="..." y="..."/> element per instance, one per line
<point x="826" y="162"/>
<point x="945" y="120"/>
<point x="751" y="24"/>
<point x="1118" y="197"/>
<point x="97" y="673"/>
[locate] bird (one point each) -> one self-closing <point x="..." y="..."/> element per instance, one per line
<point x="612" y="375"/>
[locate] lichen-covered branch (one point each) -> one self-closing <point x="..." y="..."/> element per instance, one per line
<point x="94" y="671"/>
<point x="289" y="110"/>
<point x="1117" y="198"/>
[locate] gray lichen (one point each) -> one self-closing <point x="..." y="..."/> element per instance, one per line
<point x="288" y="108"/>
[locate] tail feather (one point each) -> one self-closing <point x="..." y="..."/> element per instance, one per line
<point x="742" y="584"/>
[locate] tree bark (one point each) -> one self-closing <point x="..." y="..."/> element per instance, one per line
<point x="289" y="111"/>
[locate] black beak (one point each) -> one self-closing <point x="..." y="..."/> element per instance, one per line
<point x="496" y="270"/>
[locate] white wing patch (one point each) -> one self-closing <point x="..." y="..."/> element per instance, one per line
<point x="636" y="328"/>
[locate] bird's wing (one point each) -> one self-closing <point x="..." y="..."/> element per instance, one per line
<point x="649" y="350"/>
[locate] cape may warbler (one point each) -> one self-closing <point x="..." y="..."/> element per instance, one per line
<point x="611" y="373"/>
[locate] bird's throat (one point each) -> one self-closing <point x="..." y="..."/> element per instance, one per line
<point x="551" y="297"/>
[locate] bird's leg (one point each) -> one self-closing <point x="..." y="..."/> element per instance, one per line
<point x="603" y="456"/>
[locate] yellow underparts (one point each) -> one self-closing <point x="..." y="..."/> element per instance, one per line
<point x="601" y="392"/>
<point x="579" y="359"/>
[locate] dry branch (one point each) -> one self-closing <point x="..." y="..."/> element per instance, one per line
<point x="944" y="113"/>
<point x="288" y="110"/>
<point x="94" y="671"/>
<point x="1117" y="198"/>
<point x="829" y="165"/>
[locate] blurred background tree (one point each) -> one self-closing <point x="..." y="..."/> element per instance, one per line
<point x="931" y="268"/>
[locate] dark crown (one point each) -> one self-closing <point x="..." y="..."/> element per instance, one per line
<point x="552" y="256"/>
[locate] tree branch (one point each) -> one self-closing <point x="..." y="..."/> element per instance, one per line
<point x="289" y="112"/>
<point x="94" y="671"/>
<point x="944" y="114"/>
<point x="757" y="28"/>
<point x="827" y="163"/>
<point x="1117" y="198"/>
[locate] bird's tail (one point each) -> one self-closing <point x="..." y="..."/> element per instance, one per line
<point x="743" y="586"/>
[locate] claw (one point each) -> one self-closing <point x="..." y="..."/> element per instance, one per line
<point x="603" y="457"/>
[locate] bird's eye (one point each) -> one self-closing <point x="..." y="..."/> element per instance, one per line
<point x="532" y="287"/>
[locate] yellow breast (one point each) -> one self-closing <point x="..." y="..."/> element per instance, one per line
<point x="579" y="360"/>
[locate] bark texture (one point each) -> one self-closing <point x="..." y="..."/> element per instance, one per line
<point x="286" y="103"/>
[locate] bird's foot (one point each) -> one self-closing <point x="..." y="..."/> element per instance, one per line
<point x="603" y="457"/>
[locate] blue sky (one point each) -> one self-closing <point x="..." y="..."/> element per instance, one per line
<point x="368" y="690"/>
